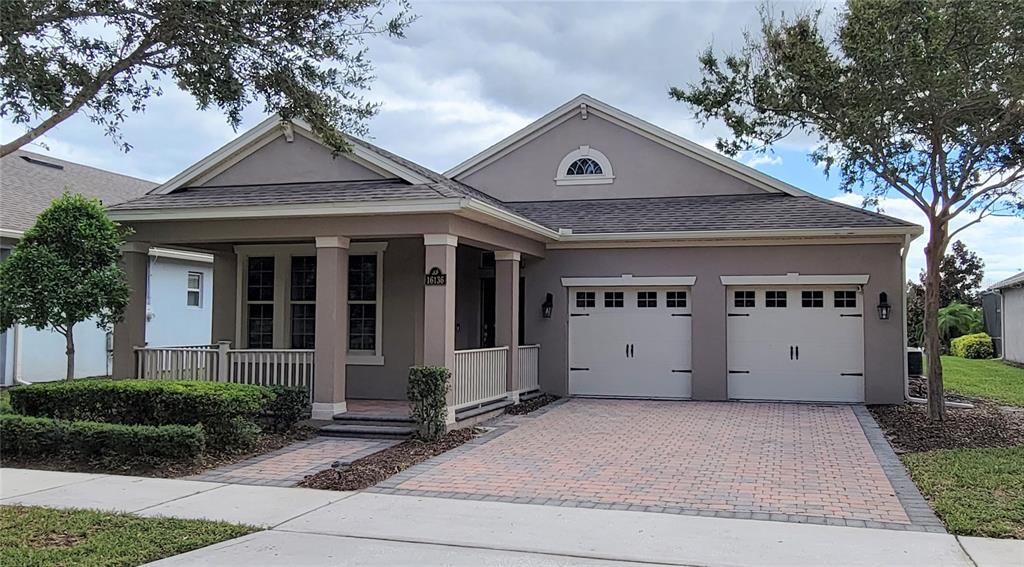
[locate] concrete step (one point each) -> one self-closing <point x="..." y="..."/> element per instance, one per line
<point x="366" y="431"/>
<point x="373" y="420"/>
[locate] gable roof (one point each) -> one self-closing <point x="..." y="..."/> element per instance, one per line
<point x="589" y="104"/>
<point x="767" y="211"/>
<point x="29" y="182"/>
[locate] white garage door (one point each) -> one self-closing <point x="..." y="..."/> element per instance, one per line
<point x="629" y="342"/>
<point x="803" y="343"/>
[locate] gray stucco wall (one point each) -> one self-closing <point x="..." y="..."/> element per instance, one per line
<point x="1013" y="324"/>
<point x="402" y="311"/>
<point x="883" y="344"/>
<point x="642" y="168"/>
<point x="301" y="160"/>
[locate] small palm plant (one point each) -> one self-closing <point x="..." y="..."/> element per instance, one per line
<point x="957" y="319"/>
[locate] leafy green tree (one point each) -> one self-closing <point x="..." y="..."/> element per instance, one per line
<point x="300" y="58"/>
<point x="960" y="275"/>
<point x="65" y="270"/>
<point x="957" y="319"/>
<point x="924" y="98"/>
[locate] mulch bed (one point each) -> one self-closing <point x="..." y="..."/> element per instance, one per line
<point x="266" y="443"/>
<point x="987" y="424"/>
<point x="533" y="404"/>
<point x="372" y="469"/>
<point x="918" y="386"/>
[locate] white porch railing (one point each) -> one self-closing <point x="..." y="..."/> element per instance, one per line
<point x="177" y="363"/>
<point x="527" y="378"/>
<point x="270" y="367"/>
<point x="479" y="376"/>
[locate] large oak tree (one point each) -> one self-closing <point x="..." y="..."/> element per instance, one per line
<point x="919" y="98"/>
<point x="107" y="58"/>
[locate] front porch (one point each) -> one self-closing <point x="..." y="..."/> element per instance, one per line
<point x="345" y="318"/>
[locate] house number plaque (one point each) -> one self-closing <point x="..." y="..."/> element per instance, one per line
<point x="436" y="277"/>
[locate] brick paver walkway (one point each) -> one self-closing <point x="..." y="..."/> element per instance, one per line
<point x="289" y="465"/>
<point x="792" y="462"/>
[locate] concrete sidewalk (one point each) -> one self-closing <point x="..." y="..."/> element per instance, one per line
<point x="310" y="527"/>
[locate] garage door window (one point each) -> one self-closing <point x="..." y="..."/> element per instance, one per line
<point x="774" y="299"/>
<point x="846" y="299"/>
<point x="585" y="299"/>
<point x="675" y="299"/>
<point x="812" y="298"/>
<point x="614" y="299"/>
<point x="743" y="299"/>
<point x="646" y="299"/>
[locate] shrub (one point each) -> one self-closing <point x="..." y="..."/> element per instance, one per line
<point x="43" y="438"/>
<point x="427" y="392"/>
<point x="289" y="406"/>
<point x="227" y="412"/>
<point x="978" y="345"/>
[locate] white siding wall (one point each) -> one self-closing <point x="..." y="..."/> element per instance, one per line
<point x="1013" y="324"/>
<point x="171" y="321"/>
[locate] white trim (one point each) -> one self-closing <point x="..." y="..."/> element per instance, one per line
<point x="733" y="242"/>
<point x="366" y="248"/>
<point x="376" y="356"/>
<point x="797" y="279"/>
<point x="606" y="176"/>
<point x="197" y="290"/>
<point x="332" y="242"/>
<point x="327" y="410"/>
<point x="628" y="280"/>
<point x="440" y="240"/>
<point x="262" y="134"/>
<point x="181" y="255"/>
<point x="11" y="233"/>
<point x="506" y="255"/>
<point x="717" y="234"/>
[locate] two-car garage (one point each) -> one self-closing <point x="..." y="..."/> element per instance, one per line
<point x="783" y="341"/>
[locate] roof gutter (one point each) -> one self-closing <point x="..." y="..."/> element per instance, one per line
<point x="411" y="206"/>
<point x="740" y="234"/>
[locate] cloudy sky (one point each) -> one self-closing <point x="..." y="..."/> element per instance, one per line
<point x="470" y="73"/>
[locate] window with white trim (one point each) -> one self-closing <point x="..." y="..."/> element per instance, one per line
<point x="775" y="298"/>
<point x="646" y="299"/>
<point x="743" y="298"/>
<point x="194" y="290"/>
<point x="614" y="299"/>
<point x="585" y="299"/>
<point x="302" y="302"/>
<point x="845" y="299"/>
<point x="362" y="303"/>
<point x="675" y="299"/>
<point x="584" y="166"/>
<point x="812" y="299"/>
<point x="259" y="298"/>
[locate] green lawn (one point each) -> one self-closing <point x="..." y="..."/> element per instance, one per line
<point x="31" y="537"/>
<point x="990" y="379"/>
<point x="977" y="492"/>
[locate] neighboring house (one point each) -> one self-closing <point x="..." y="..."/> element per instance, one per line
<point x="1003" y="303"/>
<point x="181" y="281"/>
<point x="642" y="264"/>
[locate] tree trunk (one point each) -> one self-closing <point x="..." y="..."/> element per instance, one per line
<point x="933" y="252"/>
<point x="70" y="351"/>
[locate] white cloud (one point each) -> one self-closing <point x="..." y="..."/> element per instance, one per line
<point x="998" y="240"/>
<point x="764" y="159"/>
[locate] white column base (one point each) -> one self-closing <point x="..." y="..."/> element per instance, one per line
<point x="514" y="397"/>
<point x="450" y="416"/>
<point x="328" y="410"/>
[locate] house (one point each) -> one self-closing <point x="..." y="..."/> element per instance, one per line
<point x="1003" y="304"/>
<point x="181" y="282"/>
<point x="589" y="254"/>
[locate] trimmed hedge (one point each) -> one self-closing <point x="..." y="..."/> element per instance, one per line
<point x="227" y="412"/>
<point x="427" y="392"/>
<point x="978" y="345"/>
<point x="289" y="406"/>
<point x="44" y="438"/>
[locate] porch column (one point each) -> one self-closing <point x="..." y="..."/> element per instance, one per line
<point x="131" y="331"/>
<point x="439" y="306"/>
<point x="225" y="287"/>
<point x="331" y="342"/>
<point x="506" y="316"/>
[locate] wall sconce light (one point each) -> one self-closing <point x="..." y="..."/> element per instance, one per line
<point x="547" y="306"/>
<point x="884" y="309"/>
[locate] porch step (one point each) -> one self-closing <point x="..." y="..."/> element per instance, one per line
<point x="372" y="419"/>
<point x="366" y="431"/>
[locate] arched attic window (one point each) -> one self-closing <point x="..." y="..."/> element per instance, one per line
<point x="584" y="166"/>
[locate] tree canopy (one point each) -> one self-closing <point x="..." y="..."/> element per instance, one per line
<point x="300" y="58"/>
<point x="922" y="98"/>
<point x="65" y="270"/>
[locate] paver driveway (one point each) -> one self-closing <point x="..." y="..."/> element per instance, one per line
<point x="755" y="460"/>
